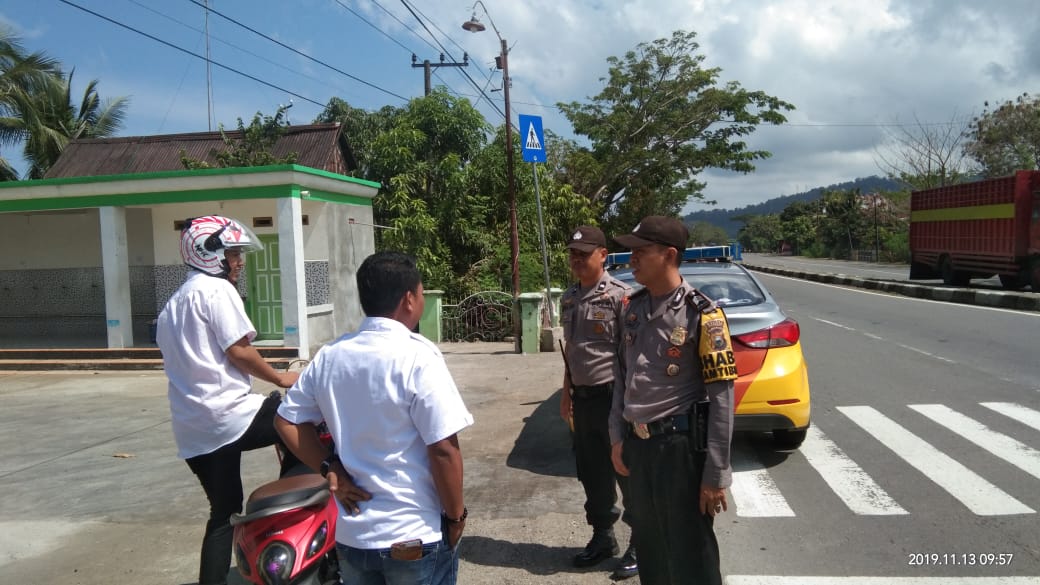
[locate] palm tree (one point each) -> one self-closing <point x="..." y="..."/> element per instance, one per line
<point x="21" y="77"/>
<point x="36" y="108"/>
<point x="60" y="121"/>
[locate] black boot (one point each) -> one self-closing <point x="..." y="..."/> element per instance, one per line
<point x="627" y="565"/>
<point x="602" y="546"/>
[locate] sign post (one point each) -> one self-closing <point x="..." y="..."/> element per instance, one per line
<point x="532" y="143"/>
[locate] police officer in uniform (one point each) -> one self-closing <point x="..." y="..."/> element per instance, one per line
<point x="672" y="416"/>
<point x="590" y="314"/>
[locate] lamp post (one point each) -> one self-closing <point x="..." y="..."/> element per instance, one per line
<point x="474" y="25"/>
<point x="877" y="237"/>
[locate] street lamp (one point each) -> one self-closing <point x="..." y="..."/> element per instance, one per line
<point x="502" y="61"/>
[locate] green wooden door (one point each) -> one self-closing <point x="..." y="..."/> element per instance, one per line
<point x="265" y="290"/>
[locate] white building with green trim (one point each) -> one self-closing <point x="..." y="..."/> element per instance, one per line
<point x="89" y="261"/>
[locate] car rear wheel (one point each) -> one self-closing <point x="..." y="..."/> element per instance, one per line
<point x="789" y="438"/>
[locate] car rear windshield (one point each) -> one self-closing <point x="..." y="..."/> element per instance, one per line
<point x="728" y="290"/>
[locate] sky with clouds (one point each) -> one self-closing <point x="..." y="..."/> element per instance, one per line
<point x="853" y="69"/>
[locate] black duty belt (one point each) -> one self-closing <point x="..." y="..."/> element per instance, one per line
<point x="668" y="425"/>
<point x="587" y="392"/>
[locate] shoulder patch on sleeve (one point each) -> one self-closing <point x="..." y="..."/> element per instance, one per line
<point x="697" y="299"/>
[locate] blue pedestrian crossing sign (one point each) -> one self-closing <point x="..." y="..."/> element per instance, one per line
<point x="532" y="140"/>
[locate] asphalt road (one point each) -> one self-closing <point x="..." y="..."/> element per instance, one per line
<point x="925" y="442"/>
<point x="915" y="448"/>
<point x="874" y="270"/>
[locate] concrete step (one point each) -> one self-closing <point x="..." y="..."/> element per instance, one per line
<point x="112" y="359"/>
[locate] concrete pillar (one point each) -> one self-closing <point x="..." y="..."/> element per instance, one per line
<point x="430" y="322"/>
<point x="116" y="269"/>
<point x="294" y="282"/>
<point x="555" y="294"/>
<point x="530" y="322"/>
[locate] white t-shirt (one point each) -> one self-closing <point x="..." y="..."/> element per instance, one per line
<point x="210" y="401"/>
<point x="385" y="394"/>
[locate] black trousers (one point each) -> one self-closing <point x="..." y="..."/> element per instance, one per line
<point x="592" y="457"/>
<point x="677" y="544"/>
<point x="220" y="474"/>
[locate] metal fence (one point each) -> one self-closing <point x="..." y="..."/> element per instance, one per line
<point x="483" y="316"/>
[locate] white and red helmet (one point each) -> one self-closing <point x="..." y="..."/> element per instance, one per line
<point x="204" y="239"/>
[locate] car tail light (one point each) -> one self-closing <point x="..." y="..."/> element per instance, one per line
<point x="783" y="334"/>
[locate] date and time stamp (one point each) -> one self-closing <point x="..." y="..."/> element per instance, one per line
<point x="960" y="559"/>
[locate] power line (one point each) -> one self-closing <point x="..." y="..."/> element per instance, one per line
<point x="302" y="54"/>
<point x="445" y="50"/>
<point x="196" y="55"/>
<point x="234" y="46"/>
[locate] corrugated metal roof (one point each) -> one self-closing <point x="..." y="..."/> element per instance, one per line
<point x="319" y="146"/>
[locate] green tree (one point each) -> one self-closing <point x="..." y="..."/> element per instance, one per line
<point x="59" y="120"/>
<point x="660" y="120"/>
<point x="22" y="75"/>
<point x="761" y="233"/>
<point x="703" y="233"/>
<point x="1007" y="138"/>
<point x="253" y="149"/>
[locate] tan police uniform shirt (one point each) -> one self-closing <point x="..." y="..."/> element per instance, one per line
<point x="591" y="319"/>
<point x="661" y="374"/>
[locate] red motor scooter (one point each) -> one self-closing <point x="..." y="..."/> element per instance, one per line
<point x="287" y="535"/>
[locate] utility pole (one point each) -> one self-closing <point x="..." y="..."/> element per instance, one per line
<point x="428" y="66"/>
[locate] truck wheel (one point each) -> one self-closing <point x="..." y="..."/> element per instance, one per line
<point x="953" y="277"/>
<point x="1012" y="281"/>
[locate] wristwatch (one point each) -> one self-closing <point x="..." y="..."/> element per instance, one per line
<point x="465" y="512"/>
<point x="326" y="464"/>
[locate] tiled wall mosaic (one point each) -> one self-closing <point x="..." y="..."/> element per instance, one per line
<point x="68" y="291"/>
<point x="81" y="291"/>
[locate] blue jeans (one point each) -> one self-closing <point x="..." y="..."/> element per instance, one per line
<point x="439" y="565"/>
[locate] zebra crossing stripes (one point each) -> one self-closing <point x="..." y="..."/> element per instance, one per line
<point x="754" y="491"/>
<point x="979" y="495"/>
<point x="1018" y="412"/>
<point x="756" y="494"/>
<point x="859" y="492"/>
<point x="1002" y="446"/>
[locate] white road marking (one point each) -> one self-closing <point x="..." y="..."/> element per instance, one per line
<point x="789" y="580"/>
<point x="1014" y="452"/>
<point x="925" y="353"/>
<point x="859" y="492"/>
<point x="838" y="325"/>
<point x="754" y="492"/>
<point x="1026" y="416"/>
<point x="980" y="496"/>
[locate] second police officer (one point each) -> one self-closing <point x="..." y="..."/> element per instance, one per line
<point x="590" y="315"/>
<point x="672" y="418"/>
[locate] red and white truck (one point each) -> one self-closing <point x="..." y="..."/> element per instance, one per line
<point x="978" y="230"/>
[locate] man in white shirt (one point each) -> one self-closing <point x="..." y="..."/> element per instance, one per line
<point x="204" y="335"/>
<point x="394" y="412"/>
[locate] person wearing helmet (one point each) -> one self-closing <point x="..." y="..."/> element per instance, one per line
<point x="205" y="338"/>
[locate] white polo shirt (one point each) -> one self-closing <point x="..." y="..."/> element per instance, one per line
<point x="385" y="394"/>
<point x="210" y="401"/>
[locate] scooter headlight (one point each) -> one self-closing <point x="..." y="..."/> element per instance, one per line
<point x="276" y="563"/>
<point x="318" y="541"/>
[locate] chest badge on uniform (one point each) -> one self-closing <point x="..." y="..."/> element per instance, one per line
<point x="672" y="370"/>
<point x="678" y="336"/>
<point x="628" y="338"/>
<point x="674" y="352"/>
<point x="568" y="302"/>
<point x="599" y="315"/>
<point x="599" y="328"/>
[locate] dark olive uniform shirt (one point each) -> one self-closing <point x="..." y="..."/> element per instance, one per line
<point x="591" y="319"/>
<point x="661" y="375"/>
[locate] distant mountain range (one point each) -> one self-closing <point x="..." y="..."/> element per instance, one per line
<point x="723" y="217"/>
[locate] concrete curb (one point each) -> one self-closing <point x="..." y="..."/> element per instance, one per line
<point x="968" y="296"/>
